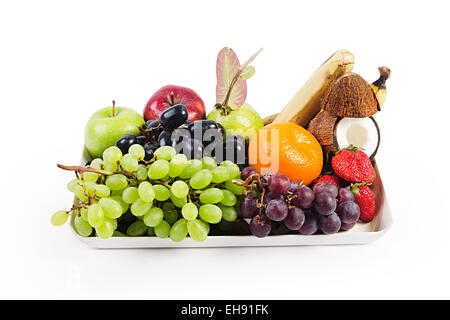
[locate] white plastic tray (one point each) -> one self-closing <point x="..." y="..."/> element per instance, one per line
<point x="362" y="233"/>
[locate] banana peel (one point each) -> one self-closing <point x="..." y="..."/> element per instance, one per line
<point x="379" y="85"/>
<point x="306" y="103"/>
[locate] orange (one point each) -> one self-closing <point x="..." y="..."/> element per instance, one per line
<point x="286" y="148"/>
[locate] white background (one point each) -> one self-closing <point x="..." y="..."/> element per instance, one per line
<point x="62" y="60"/>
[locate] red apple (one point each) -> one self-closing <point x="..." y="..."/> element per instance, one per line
<point x="168" y="96"/>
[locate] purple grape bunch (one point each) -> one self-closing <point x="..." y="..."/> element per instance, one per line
<point x="277" y="205"/>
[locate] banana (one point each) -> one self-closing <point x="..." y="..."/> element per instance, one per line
<point x="269" y="119"/>
<point x="379" y="85"/>
<point x="306" y="102"/>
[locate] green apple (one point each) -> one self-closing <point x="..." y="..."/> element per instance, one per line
<point x="244" y="121"/>
<point x="108" y="125"/>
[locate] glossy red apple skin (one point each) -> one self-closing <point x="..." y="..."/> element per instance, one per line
<point x="170" y="95"/>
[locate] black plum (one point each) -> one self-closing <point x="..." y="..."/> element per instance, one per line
<point x="165" y="138"/>
<point x="185" y="125"/>
<point x="125" y="142"/>
<point x="178" y="135"/>
<point x="141" y="140"/>
<point x="154" y="128"/>
<point x="234" y="149"/>
<point x="174" y="116"/>
<point x="200" y="127"/>
<point x="149" y="150"/>
<point x="191" y="148"/>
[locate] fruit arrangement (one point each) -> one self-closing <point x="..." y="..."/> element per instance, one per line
<point x="176" y="171"/>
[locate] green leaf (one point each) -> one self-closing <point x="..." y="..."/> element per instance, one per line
<point x="226" y="68"/>
<point x="248" y="72"/>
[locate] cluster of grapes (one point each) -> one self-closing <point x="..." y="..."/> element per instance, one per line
<point x="167" y="196"/>
<point x="194" y="139"/>
<point x="274" y="198"/>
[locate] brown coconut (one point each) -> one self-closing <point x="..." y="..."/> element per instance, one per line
<point x="321" y="127"/>
<point x="350" y="96"/>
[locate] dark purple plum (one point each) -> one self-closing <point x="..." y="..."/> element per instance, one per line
<point x="248" y="207"/>
<point x="279" y="183"/>
<point x="279" y="229"/>
<point x="277" y="210"/>
<point x="247" y="172"/>
<point x="295" y="219"/>
<point x="325" y="204"/>
<point x="271" y="196"/>
<point x="310" y="226"/>
<point x="303" y="197"/>
<point x="330" y="224"/>
<point x="260" y="226"/>
<point x="348" y="211"/>
<point x="345" y="195"/>
<point x="294" y="186"/>
<point x="347" y="226"/>
<point x="326" y="187"/>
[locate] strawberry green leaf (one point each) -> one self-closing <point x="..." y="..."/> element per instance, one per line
<point x="227" y="67"/>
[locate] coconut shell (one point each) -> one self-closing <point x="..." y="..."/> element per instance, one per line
<point x="350" y="96"/>
<point x="321" y="127"/>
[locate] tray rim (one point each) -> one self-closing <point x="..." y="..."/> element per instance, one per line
<point x="384" y="222"/>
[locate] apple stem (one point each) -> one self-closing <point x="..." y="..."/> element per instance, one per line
<point x="114" y="108"/>
<point x="235" y="79"/>
<point x="172" y="101"/>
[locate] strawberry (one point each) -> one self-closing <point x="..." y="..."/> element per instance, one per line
<point x="365" y="199"/>
<point x="329" y="178"/>
<point x="353" y="165"/>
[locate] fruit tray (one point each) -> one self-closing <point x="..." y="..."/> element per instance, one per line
<point x="362" y="233"/>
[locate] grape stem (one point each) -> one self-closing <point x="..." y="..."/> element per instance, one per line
<point x="86" y="193"/>
<point x="143" y="131"/>
<point x="84" y="169"/>
<point x="81" y="170"/>
<point x="261" y="205"/>
<point x="249" y="183"/>
<point x="152" y="139"/>
<point x="289" y="198"/>
<point x="76" y="208"/>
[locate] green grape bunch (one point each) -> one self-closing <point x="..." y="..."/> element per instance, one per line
<point x="167" y="197"/>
